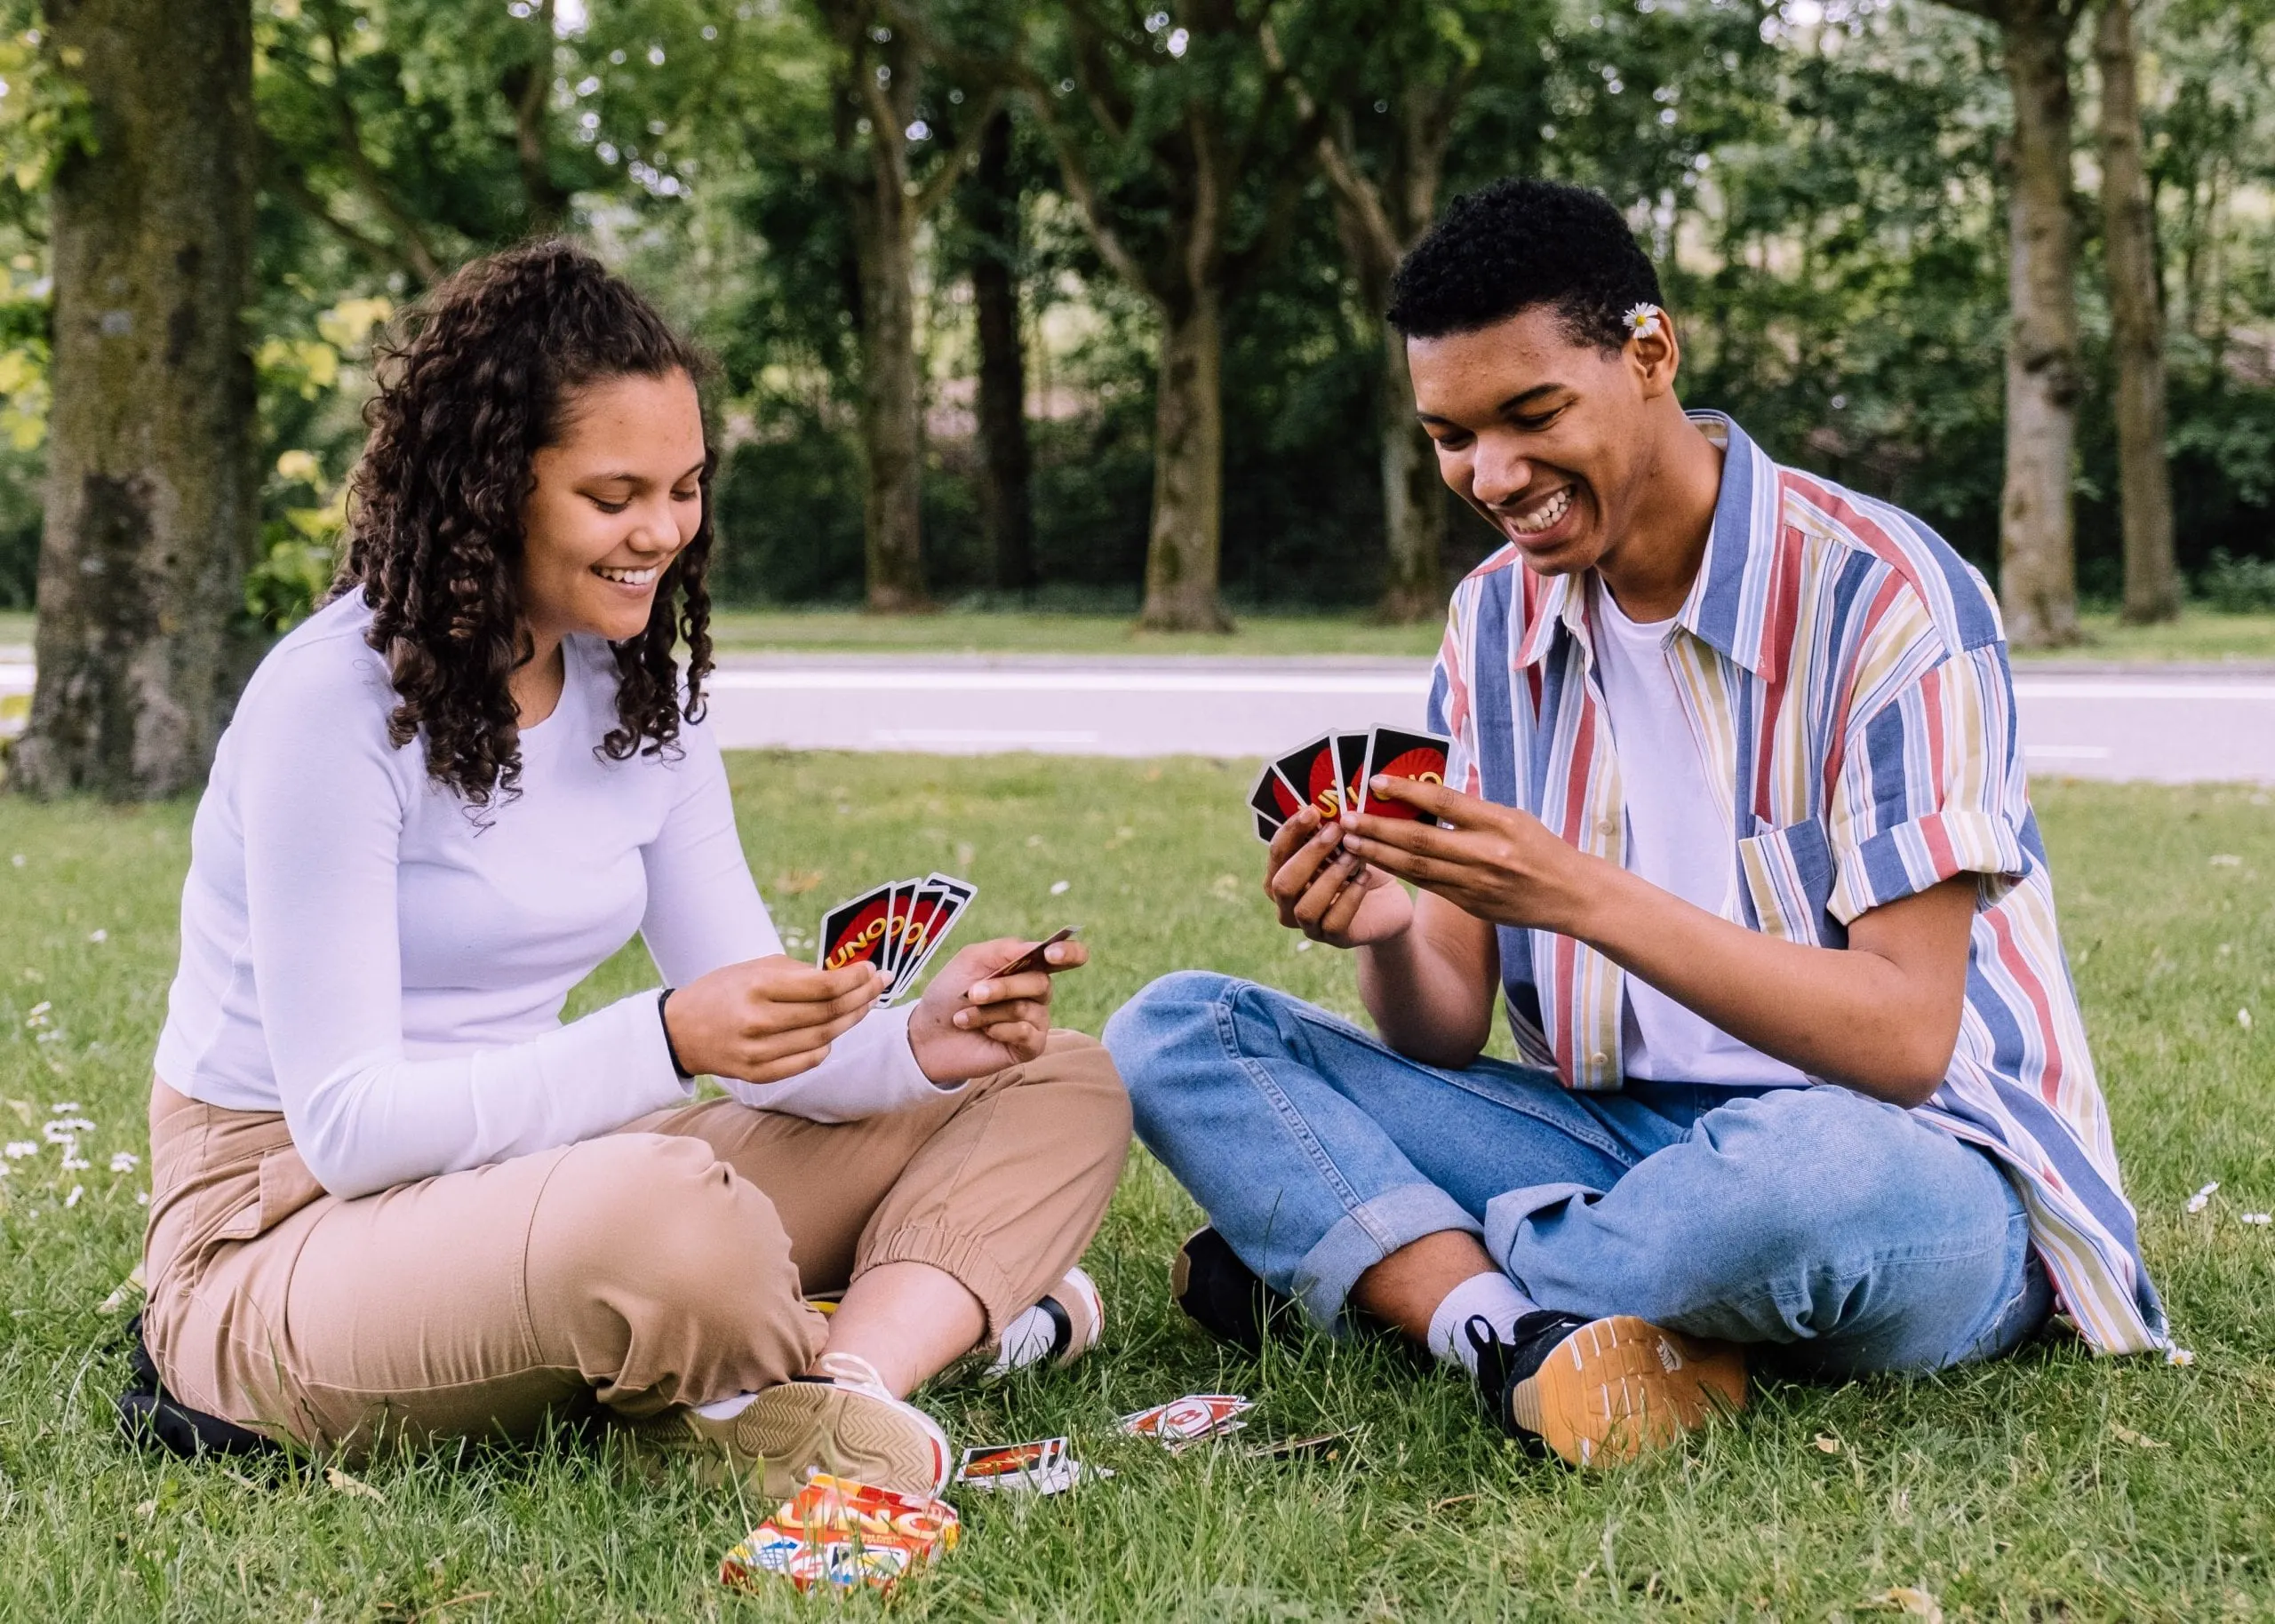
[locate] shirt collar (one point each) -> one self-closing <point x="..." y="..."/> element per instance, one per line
<point x="1732" y="575"/>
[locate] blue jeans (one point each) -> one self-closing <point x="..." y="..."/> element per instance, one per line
<point x="1846" y="1233"/>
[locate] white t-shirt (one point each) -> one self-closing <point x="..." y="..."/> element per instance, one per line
<point x="1676" y="838"/>
<point x="362" y="952"/>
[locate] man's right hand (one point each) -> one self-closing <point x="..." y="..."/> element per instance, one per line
<point x="1327" y="894"/>
<point x="767" y="1019"/>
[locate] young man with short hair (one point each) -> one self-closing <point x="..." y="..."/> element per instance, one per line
<point x="1735" y="817"/>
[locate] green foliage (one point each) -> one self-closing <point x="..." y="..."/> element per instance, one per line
<point x="2238" y="585"/>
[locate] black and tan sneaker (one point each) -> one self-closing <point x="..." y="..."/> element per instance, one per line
<point x="1224" y="1296"/>
<point x="1600" y="1392"/>
<point x="844" y="1421"/>
<point x="1062" y="1327"/>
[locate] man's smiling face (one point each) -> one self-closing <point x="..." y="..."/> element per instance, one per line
<point x="1547" y="437"/>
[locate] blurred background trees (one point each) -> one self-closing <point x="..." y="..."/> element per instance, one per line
<point x="1077" y="302"/>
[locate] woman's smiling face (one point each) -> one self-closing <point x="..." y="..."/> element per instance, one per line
<point x="615" y="498"/>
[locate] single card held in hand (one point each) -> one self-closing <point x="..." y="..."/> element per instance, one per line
<point x="1351" y="770"/>
<point x="1273" y="802"/>
<point x="854" y="931"/>
<point x="1392" y="753"/>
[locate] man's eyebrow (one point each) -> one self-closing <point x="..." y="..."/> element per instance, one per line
<point x="1514" y="403"/>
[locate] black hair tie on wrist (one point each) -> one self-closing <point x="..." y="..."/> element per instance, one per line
<point x="663" y="997"/>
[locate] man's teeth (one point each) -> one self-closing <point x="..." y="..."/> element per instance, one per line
<point x="630" y="578"/>
<point x="1544" y="516"/>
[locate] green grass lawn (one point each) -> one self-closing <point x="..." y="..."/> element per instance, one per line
<point x="2055" y="1486"/>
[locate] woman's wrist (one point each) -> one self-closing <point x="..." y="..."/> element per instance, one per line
<point x="663" y="1020"/>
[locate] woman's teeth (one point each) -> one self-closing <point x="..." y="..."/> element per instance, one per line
<point x="628" y="578"/>
<point x="1544" y="516"/>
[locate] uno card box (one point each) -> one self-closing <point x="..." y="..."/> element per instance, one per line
<point x="838" y="1534"/>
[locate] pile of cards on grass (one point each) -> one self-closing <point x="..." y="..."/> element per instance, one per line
<point x="844" y="1535"/>
<point x="897" y="928"/>
<point x="1333" y="771"/>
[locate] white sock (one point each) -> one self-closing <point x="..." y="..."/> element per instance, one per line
<point x="1493" y="1298"/>
<point x="725" y="1409"/>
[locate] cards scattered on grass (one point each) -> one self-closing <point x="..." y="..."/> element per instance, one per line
<point x="837" y="1534"/>
<point x="1042" y="1468"/>
<point x="1182" y="1422"/>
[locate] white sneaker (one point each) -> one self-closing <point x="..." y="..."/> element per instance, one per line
<point x="846" y="1423"/>
<point x="1062" y="1327"/>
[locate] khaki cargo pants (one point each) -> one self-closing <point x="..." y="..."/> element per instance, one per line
<point x="665" y="1263"/>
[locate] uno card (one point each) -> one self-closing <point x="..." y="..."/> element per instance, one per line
<point x="1034" y="1467"/>
<point x="1188" y="1420"/>
<point x="1033" y="960"/>
<point x="1392" y="753"/>
<point x="1311" y="772"/>
<point x="933" y="910"/>
<point x="1273" y="802"/>
<point x="855" y="931"/>
<point x="842" y="1535"/>
<point x="1351" y="769"/>
<point x="900" y="894"/>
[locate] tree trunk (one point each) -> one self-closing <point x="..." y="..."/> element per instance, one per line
<point x="1181" y="554"/>
<point x="2137" y="329"/>
<point x="151" y="480"/>
<point x="2038" y="584"/>
<point x="1006" y="504"/>
<point x="891" y="402"/>
<point x="1414" y="500"/>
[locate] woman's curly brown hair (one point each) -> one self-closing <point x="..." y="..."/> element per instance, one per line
<point x="472" y="384"/>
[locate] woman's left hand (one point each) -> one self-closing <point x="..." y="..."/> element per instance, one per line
<point x="970" y="1021"/>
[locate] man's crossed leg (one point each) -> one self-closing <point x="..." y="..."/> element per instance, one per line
<point x="1832" y="1233"/>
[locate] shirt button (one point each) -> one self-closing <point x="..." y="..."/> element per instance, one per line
<point x="1599" y="1059"/>
<point x="1607" y="826"/>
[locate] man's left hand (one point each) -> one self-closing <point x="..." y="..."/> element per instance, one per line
<point x="971" y="1022"/>
<point x="1492" y="862"/>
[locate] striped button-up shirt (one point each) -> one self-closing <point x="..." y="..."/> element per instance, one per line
<point x="1844" y="673"/>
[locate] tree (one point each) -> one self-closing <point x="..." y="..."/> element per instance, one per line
<point x="991" y="213"/>
<point x="2137" y="328"/>
<point x="1423" y="59"/>
<point x="880" y="119"/>
<point x="151" y="485"/>
<point x="2037" y="567"/>
<point x="1174" y="143"/>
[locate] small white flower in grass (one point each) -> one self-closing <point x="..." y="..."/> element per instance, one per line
<point x="76" y="1164"/>
<point x="99" y="936"/>
<point x="124" y="1161"/>
<point x="2261" y="1219"/>
<point x="2243" y="1019"/>
<point x="49" y="1037"/>
<point x="17" y="1149"/>
<point x="64" y="1108"/>
<point x="1303" y="944"/>
<point x="2179" y="1356"/>
<point x="36" y="1016"/>
<point x="1642" y="321"/>
<point x="65" y="1130"/>
<point x="73" y="1198"/>
<point x="2202" y="1198"/>
<point x="141" y="1198"/>
<point x="2226" y="859"/>
<point x="1059" y="887"/>
<point x="17" y="859"/>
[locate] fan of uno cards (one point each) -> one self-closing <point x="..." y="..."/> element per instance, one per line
<point x="897" y="928"/>
<point x="1332" y="772"/>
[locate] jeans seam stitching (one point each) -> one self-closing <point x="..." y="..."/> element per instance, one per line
<point x="1292" y="1120"/>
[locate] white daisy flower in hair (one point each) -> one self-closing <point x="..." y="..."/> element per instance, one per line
<point x="1642" y="321"/>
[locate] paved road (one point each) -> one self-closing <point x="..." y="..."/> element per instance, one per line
<point x="2164" y="726"/>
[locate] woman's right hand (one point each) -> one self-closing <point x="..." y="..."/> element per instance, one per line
<point x="767" y="1019"/>
<point x="1326" y="892"/>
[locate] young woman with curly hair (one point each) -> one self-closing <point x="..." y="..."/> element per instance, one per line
<point x="393" y="1194"/>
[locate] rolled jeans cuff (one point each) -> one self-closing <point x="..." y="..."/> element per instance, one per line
<point x="1506" y="1213"/>
<point x="1365" y="1236"/>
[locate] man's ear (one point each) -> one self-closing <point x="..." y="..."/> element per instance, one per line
<point x="1657" y="357"/>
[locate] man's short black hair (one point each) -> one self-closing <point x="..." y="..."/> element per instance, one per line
<point x="1520" y="242"/>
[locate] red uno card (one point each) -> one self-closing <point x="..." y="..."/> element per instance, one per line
<point x="1351" y="769"/>
<point x="1312" y="773"/>
<point x="996" y="1466"/>
<point x="1393" y="753"/>
<point x="934" y="907"/>
<point x="1187" y="1419"/>
<point x="1273" y="802"/>
<point x="854" y="931"/>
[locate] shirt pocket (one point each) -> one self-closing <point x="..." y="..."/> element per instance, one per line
<point x="1788" y="876"/>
